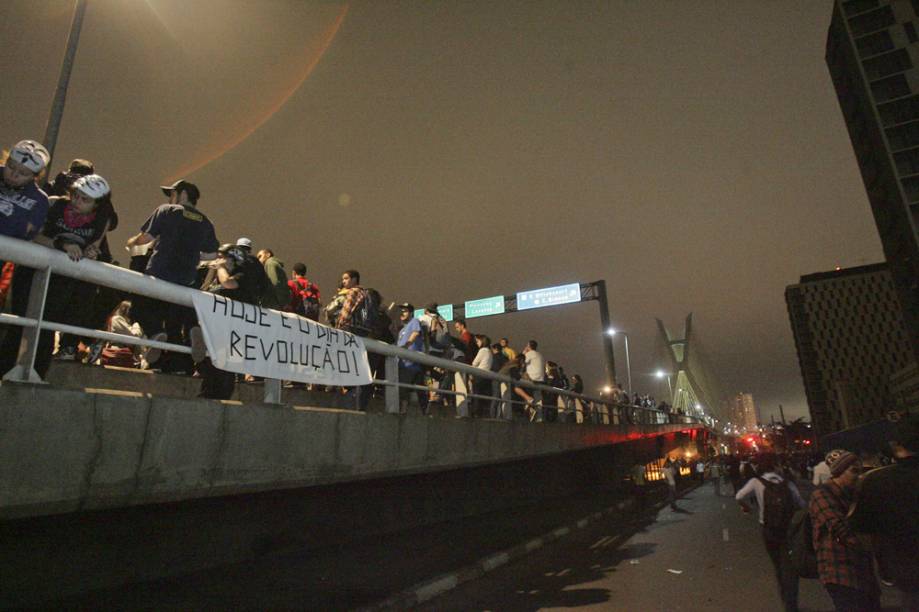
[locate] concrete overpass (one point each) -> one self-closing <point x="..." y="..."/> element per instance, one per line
<point x="125" y="475"/>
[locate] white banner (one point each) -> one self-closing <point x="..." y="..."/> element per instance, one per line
<point x="263" y="342"/>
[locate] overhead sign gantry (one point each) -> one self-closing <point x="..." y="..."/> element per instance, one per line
<point x="531" y="299"/>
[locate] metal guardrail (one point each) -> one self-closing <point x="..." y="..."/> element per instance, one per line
<point x="47" y="261"/>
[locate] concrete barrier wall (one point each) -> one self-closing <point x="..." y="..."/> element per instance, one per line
<point x="64" y="450"/>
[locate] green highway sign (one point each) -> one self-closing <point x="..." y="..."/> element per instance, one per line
<point x="485" y="306"/>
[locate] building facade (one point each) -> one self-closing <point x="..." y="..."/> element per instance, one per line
<point x="743" y="413"/>
<point x="851" y="339"/>
<point x="872" y="53"/>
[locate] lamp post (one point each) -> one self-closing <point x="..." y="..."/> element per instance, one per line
<point x="661" y="374"/>
<point x="628" y="366"/>
<point x="60" y="95"/>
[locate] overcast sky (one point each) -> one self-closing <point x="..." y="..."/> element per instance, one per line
<point x="690" y="153"/>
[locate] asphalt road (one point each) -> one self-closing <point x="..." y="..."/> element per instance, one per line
<point x="351" y="575"/>
<point x="707" y="556"/>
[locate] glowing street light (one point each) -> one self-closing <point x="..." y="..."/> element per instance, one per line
<point x="661" y="374"/>
<point x="611" y="332"/>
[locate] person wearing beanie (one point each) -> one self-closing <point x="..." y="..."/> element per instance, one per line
<point x="886" y="507"/>
<point x="844" y="564"/>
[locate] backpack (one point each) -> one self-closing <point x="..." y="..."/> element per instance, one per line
<point x="799" y="545"/>
<point x="778" y="508"/>
<point x="258" y="282"/>
<point x="365" y="318"/>
<point x="307" y="302"/>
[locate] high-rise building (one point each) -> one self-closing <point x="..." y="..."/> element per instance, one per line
<point x="851" y="339"/>
<point x="743" y="412"/>
<point x="872" y="52"/>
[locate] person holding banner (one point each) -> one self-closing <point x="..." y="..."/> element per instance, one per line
<point x="227" y="277"/>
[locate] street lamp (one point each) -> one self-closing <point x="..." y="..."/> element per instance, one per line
<point x="612" y="331"/>
<point x="60" y="94"/>
<point x="661" y="374"/>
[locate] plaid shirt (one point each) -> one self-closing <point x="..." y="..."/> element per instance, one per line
<point x="352" y="301"/>
<point x="841" y="558"/>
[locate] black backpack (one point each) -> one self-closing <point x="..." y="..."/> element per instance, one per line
<point x="799" y="545"/>
<point x="365" y="319"/>
<point x="778" y="508"/>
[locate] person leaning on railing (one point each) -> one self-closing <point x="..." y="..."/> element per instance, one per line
<point x="181" y="236"/>
<point x="229" y="276"/>
<point x="23" y="209"/>
<point x="23" y="206"/>
<point x="75" y="225"/>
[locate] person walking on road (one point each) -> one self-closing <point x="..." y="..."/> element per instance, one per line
<point x="669" y="469"/>
<point x="777" y="499"/>
<point x="844" y="563"/>
<point x="715" y="473"/>
<point x="638" y="484"/>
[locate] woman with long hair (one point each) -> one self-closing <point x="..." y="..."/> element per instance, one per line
<point x="120" y="322"/>
<point x="482" y="386"/>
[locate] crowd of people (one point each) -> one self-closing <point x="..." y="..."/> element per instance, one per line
<point x="847" y="519"/>
<point x="856" y="529"/>
<point x="74" y="213"/>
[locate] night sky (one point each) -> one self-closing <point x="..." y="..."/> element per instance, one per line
<point x="692" y="154"/>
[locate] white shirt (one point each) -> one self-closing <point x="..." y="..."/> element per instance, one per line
<point x="536" y="366"/>
<point x="120" y="325"/>
<point x="821" y="473"/>
<point x="483" y="359"/>
<point x="754" y="486"/>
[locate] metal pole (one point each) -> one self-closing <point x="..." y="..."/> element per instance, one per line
<point x="628" y="365"/>
<point x="60" y="96"/>
<point x="24" y="370"/>
<point x="607" y="339"/>
<point x="392" y="391"/>
<point x="272" y="391"/>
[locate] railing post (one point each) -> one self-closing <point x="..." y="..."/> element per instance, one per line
<point x="392" y="391"/>
<point x="272" y="391"/>
<point x="24" y="370"/>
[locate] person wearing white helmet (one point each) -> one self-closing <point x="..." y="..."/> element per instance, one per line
<point x="75" y="225"/>
<point x="23" y="206"/>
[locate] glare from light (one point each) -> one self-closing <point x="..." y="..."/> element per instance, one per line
<point x="660" y="374"/>
<point x="611" y="331"/>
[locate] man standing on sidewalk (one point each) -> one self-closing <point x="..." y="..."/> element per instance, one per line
<point x="777" y="499"/>
<point x="844" y="563"/>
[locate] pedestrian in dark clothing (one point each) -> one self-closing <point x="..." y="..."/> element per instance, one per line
<point x="771" y="488"/>
<point x="228" y="277"/>
<point x="181" y="235"/>
<point x="887" y="508"/>
<point x="74" y="225"/>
